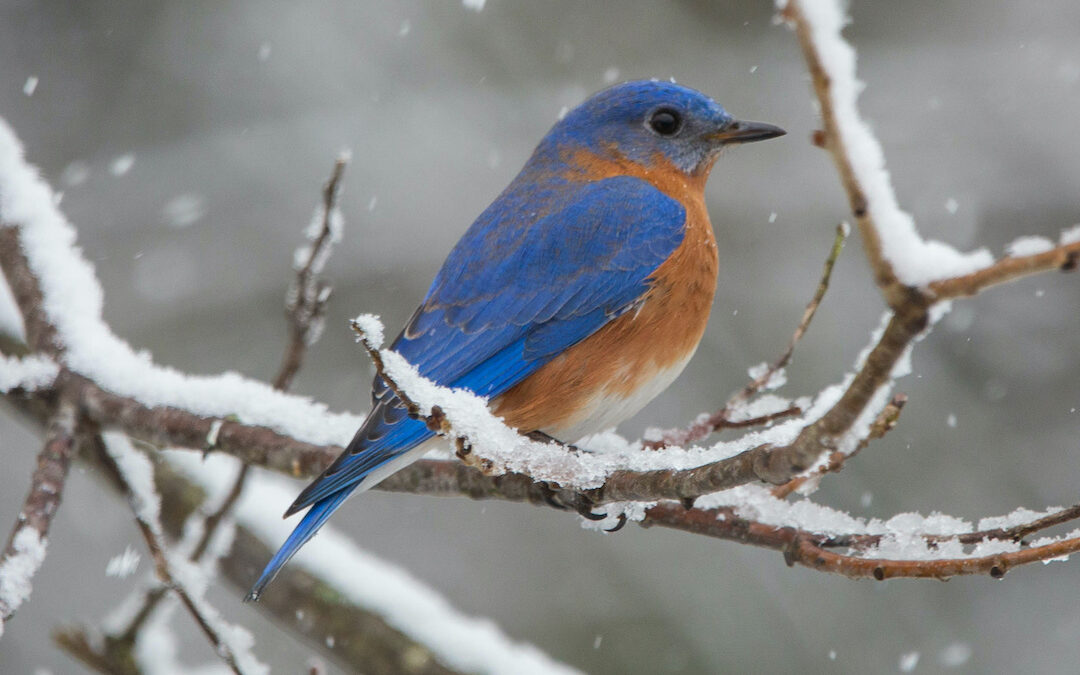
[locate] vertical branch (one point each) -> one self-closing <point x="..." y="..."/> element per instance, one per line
<point x="832" y="139"/>
<point x="25" y="550"/>
<point x="306" y="301"/>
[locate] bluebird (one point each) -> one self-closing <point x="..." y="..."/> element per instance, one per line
<point x="575" y="298"/>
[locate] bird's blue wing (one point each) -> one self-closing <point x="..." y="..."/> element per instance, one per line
<point x="511" y="297"/>
<point x="540" y="270"/>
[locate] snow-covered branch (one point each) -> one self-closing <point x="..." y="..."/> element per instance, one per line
<point x="75" y="371"/>
<point x="135" y="474"/>
<point x="25" y="550"/>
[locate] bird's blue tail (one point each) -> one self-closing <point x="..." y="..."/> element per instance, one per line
<point x="305" y="530"/>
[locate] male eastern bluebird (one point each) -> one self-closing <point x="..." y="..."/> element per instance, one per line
<point x="574" y="299"/>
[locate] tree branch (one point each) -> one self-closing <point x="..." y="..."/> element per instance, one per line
<point x="167" y="570"/>
<point x="25" y="549"/>
<point x="1064" y="257"/>
<point x="832" y="139"/>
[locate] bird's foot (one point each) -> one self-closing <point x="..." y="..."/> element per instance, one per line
<point x="579" y="502"/>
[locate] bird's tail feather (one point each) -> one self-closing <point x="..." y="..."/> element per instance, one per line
<point x="307" y="527"/>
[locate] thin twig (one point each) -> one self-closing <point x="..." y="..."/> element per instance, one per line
<point x="1065" y="257"/>
<point x="151" y="531"/>
<point x="883" y="424"/>
<point x="25" y="549"/>
<point x="307" y="298"/>
<point x="722" y="419"/>
<point x="305" y="305"/>
<point x="809" y="548"/>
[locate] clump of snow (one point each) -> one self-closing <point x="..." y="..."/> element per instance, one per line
<point x="461" y="642"/>
<point x="775" y="381"/>
<point x="1022" y="246"/>
<point x="124" y="564"/>
<point x="1018" y="517"/>
<point x="30" y="372"/>
<point x="264" y="52"/>
<point x="335" y="223"/>
<point x="138" y="472"/>
<point x="915" y="261"/>
<point x="952" y="206"/>
<point x="1070" y="236"/>
<point x="766" y="404"/>
<point x="30" y="86"/>
<point x="372" y="329"/>
<point x="474" y="5"/>
<point x="610" y="75"/>
<point x="18" y="569"/>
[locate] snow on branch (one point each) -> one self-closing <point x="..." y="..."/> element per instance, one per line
<point x="72" y="300"/>
<point x="25" y="550"/>
<point x="135" y="474"/>
<point x="896" y="250"/>
<point x="462" y="642"/>
<point x="32" y="372"/>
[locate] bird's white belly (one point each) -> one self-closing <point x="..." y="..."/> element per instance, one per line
<point x="607" y="409"/>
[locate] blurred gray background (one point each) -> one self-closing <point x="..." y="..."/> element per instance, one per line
<point x="233" y="113"/>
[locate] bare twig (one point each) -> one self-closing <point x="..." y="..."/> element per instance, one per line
<point x="885" y="422"/>
<point x="25" y="550"/>
<point x="306" y="301"/>
<point x="1064" y="257"/>
<point x="41" y="335"/>
<point x="304" y="604"/>
<point x="722" y="419"/>
<point x="305" y="306"/>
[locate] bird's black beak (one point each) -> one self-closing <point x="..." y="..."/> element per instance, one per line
<point x="738" y="131"/>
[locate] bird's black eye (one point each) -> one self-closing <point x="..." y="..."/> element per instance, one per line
<point x="665" y="121"/>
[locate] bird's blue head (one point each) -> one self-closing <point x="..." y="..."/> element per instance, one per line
<point x="642" y="119"/>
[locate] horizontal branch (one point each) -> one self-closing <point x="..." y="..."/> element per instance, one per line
<point x="1064" y="257"/>
<point x="809" y="549"/>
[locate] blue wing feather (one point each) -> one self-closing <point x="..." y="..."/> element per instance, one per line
<point x="540" y="270"/>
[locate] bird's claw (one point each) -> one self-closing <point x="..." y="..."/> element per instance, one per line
<point x="555" y="496"/>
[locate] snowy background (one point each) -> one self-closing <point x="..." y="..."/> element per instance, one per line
<point x="190" y="141"/>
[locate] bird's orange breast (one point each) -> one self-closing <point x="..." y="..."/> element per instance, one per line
<point x="615" y="371"/>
